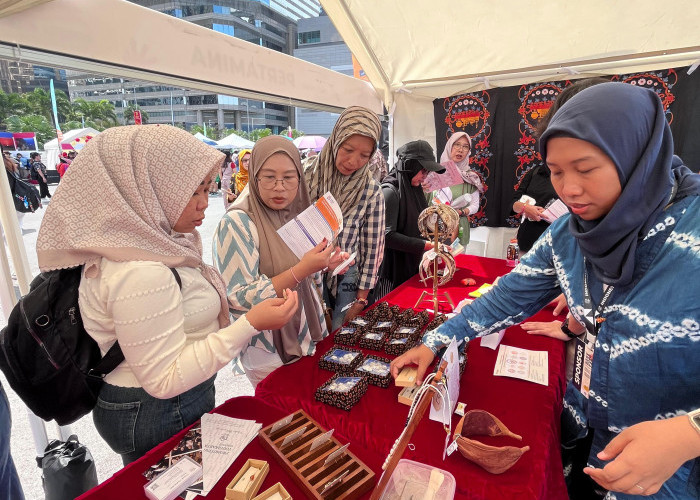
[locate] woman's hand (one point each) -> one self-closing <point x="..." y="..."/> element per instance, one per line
<point x="421" y="356"/>
<point x="338" y="257"/>
<point x="271" y="314"/>
<point x="553" y="328"/>
<point x="558" y="304"/>
<point x="314" y="260"/>
<point x="645" y="455"/>
<point x="230" y="195"/>
<point x="533" y="212"/>
<point x="546" y="328"/>
<point x="354" y="311"/>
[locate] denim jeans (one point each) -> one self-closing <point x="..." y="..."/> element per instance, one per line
<point x="346" y="293"/>
<point x="132" y="422"/>
<point x="10" y="486"/>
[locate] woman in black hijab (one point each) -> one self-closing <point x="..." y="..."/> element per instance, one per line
<point x="404" y="200"/>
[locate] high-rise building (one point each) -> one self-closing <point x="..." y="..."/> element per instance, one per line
<point x="18" y="77"/>
<point x="268" y="23"/>
<point x="320" y="43"/>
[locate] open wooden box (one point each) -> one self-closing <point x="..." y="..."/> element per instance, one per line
<point x="253" y="486"/>
<point x="325" y="473"/>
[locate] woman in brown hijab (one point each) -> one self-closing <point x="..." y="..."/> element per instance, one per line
<point x="257" y="264"/>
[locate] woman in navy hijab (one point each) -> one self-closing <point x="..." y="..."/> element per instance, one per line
<point x="628" y="261"/>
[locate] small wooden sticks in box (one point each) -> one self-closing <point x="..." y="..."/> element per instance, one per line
<point x="247" y="482"/>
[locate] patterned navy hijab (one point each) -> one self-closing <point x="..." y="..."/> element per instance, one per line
<point x="628" y="124"/>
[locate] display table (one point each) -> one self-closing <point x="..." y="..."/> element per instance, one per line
<point x="528" y="409"/>
<point x="372" y="426"/>
<point x="128" y="483"/>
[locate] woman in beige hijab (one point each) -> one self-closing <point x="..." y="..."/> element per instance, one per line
<point x="256" y="263"/>
<point x="127" y="221"/>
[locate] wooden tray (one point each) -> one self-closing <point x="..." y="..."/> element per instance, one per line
<point x="308" y="469"/>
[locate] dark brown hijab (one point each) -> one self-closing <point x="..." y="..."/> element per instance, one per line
<point x="275" y="256"/>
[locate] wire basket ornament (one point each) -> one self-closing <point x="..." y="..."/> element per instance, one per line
<point x="438" y="223"/>
<point x="443" y="217"/>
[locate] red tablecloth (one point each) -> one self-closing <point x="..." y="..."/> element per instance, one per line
<point x="528" y="409"/>
<point x="372" y="426"/>
<point x="128" y="483"/>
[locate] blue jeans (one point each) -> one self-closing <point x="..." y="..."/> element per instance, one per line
<point x="10" y="486"/>
<point x="132" y="422"/>
<point x="346" y="293"/>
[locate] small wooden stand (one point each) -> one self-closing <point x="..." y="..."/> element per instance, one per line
<point x="343" y="477"/>
<point x="400" y="447"/>
<point x="435" y="297"/>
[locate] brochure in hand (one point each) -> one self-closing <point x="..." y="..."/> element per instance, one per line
<point x="323" y="219"/>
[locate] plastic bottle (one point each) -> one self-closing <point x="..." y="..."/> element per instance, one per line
<point x="512" y="253"/>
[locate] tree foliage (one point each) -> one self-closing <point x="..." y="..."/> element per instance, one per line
<point x="21" y="112"/>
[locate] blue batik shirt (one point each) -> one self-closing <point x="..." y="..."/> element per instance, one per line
<point x="646" y="363"/>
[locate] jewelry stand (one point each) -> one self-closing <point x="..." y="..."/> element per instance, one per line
<point x="425" y="295"/>
<point x="400" y="446"/>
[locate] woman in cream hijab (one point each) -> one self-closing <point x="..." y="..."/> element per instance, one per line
<point x="116" y="214"/>
<point x="459" y="185"/>
<point x="256" y="263"/>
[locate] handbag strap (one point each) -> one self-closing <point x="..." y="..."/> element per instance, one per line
<point x="115" y="355"/>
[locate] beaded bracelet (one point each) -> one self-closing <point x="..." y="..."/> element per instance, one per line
<point x="294" y="275"/>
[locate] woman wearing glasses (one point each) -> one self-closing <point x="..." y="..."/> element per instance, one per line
<point x="458" y="185"/>
<point x="257" y="264"/>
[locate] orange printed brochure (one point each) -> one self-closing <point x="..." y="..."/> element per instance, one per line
<point x="323" y="219"/>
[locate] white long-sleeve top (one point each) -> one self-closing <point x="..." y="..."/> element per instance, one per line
<point x="170" y="337"/>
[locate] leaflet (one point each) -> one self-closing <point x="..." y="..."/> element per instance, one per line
<point x="555" y="210"/>
<point x="323" y="219"/>
<point x="532" y="366"/>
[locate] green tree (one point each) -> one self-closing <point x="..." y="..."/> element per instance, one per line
<point x="32" y="123"/>
<point x="99" y="113"/>
<point x="258" y="133"/>
<point x="11" y="104"/>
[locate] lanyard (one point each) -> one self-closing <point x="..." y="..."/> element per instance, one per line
<point x="592" y="314"/>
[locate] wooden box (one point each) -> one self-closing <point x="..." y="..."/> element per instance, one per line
<point x="325" y="473"/>
<point x="276" y="491"/>
<point x="253" y="486"/>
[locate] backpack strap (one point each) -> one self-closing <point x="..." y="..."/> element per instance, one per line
<point x="115" y="355"/>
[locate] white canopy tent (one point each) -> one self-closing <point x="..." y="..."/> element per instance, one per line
<point x="234" y="141"/>
<point x="53" y="151"/>
<point x="414" y="52"/>
<point x="119" y="38"/>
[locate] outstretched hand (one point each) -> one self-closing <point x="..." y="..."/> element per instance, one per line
<point x="645" y="455"/>
<point x="421" y="356"/>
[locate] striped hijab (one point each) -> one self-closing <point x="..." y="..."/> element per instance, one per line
<point x="322" y="175"/>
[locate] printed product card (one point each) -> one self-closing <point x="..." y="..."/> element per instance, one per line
<point x="532" y="366"/>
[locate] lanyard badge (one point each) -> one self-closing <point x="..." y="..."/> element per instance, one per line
<point x="583" y="354"/>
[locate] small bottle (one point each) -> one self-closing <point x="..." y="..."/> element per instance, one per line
<point x="512" y="253"/>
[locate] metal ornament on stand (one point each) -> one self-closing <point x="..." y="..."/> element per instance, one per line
<point x="437" y="223"/>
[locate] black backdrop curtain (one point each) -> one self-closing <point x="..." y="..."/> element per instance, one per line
<point x="501" y="123"/>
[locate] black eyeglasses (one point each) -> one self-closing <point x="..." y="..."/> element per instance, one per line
<point x="270" y="181"/>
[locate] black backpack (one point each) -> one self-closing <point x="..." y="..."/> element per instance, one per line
<point x="48" y="358"/>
